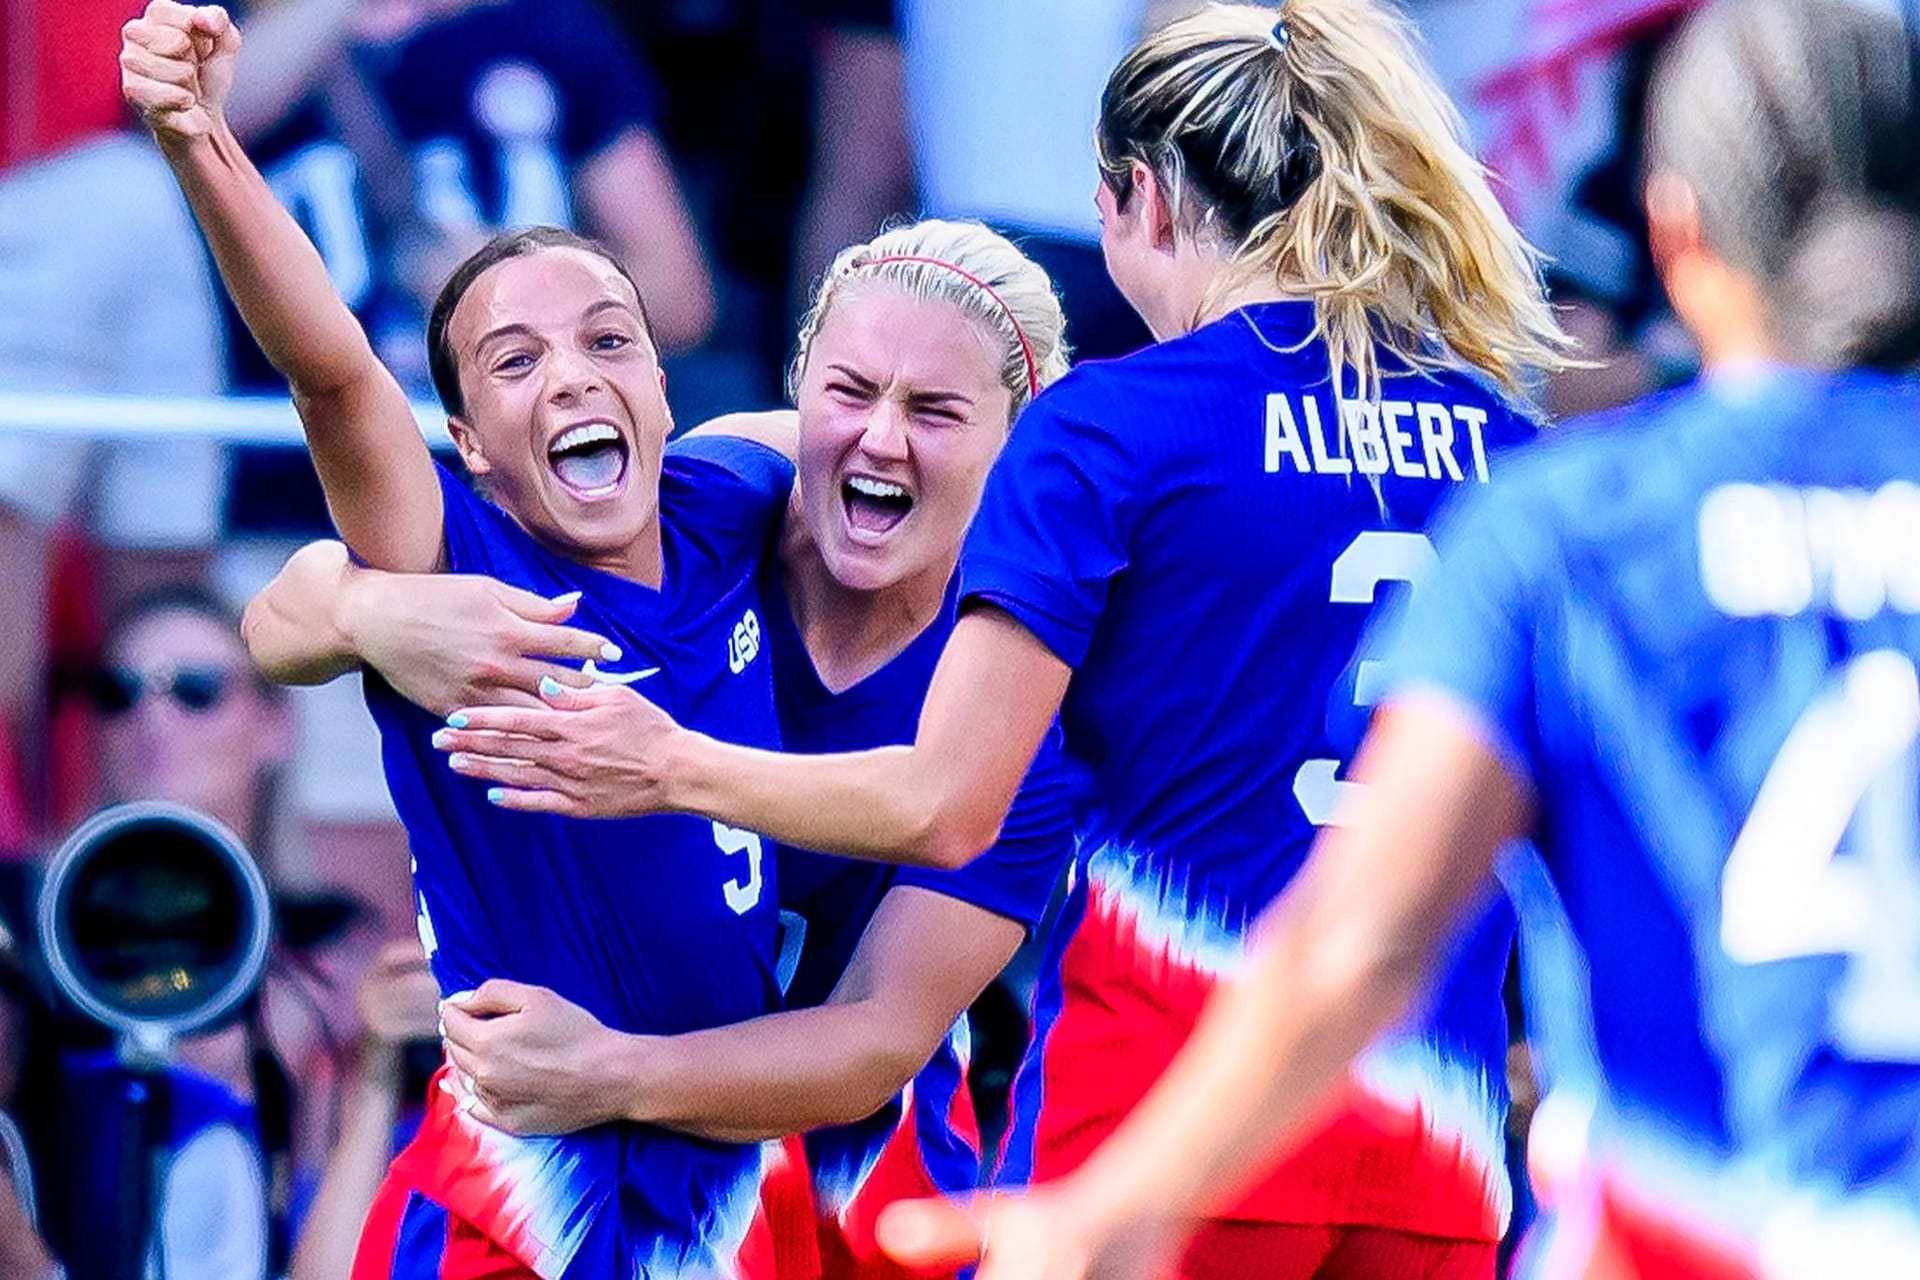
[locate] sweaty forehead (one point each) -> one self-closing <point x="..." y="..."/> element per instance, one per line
<point x="546" y="289"/>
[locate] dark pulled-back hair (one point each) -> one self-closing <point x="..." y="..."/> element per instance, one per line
<point x="1796" y="125"/>
<point x="508" y="244"/>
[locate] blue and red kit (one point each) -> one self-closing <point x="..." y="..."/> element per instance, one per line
<point x="1201" y="531"/>
<point x="655" y="925"/>
<point x="1691" y="629"/>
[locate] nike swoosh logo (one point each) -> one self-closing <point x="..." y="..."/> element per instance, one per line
<point x="598" y="676"/>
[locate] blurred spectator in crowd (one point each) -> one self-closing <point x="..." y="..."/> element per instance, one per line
<point x="184" y="715"/>
<point x="399" y="1047"/>
<point x="784" y="117"/>
<point x="104" y="289"/>
<point x="22" y="1252"/>
<point x="403" y="133"/>
<point x="1002" y="96"/>
<point x="861" y="172"/>
<point x="184" y="718"/>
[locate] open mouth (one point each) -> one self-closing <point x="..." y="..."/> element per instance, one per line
<point x="874" y="506"/>
<point x="590" y="460"/>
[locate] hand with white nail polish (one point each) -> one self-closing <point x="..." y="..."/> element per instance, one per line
<point x="604" y="752"/>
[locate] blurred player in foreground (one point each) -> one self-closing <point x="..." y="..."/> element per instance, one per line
<point x="542" y="354"/>
<point x="1175" y="554"/>
<point x="1677" y="648"/>
<point x="921" y="346"/>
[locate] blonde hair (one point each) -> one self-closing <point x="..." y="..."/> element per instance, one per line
<point x="1321" y="152"/>
<point x="974" y="268"/>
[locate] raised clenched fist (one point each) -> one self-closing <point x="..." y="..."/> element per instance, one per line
<point x="176" y="66"/>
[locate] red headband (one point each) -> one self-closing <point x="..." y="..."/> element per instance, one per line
<point x="1026" y="348"/>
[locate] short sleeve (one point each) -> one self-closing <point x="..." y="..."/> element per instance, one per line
<point x="1471" y="632"/>
<point x="765" y="472"/>
<point x="1053" y="527"/>
<point x="735" y="491"/>
<point x="1015" y="878"/>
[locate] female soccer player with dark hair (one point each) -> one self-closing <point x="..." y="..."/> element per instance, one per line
<point x="555" y="401"/>
<point x="1678" y="649"/>
<point x="1175" y="554"/>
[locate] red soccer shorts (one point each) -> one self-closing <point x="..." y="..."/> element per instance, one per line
<point x="409" y="1237"/>
<point x="1230" y="1250"/>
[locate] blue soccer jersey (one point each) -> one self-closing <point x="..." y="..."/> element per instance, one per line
<point x="655" y="925"/>
<point x="925" y="1141"/>
<point x="1691" y="628"/>
<point x="1199" y="531"/>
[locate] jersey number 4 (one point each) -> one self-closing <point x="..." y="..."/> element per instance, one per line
<point x="1376" y="556"/>
<point x="1826" y="863"/>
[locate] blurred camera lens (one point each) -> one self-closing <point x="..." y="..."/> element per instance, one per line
<point x="154" y="920"/>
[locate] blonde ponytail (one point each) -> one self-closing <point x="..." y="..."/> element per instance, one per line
<point x="1322" y="151"/>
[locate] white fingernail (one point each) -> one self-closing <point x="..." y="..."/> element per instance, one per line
<point x="611" y="652"/>
<point x="568" y="598"/>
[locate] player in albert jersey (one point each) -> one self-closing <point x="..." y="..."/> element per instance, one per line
<point x="1176" y="553"/>
<point x="1678" y="648"/>
<point x="543" y="357"/>
<point x="919" y="349"/>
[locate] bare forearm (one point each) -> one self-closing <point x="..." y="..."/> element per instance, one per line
<point x="360" y="429"/>
<point x="274" y="274"/>
<point x="355" y="1168"/>
<point x="780" y="1074"/>
<point x="884" y="805"/>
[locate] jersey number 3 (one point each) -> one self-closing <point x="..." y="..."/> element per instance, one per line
<point x="1376" y="556"/>
<point x="1826" y="863"/>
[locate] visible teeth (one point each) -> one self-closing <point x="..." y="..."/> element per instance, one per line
<point x="875" y="488"/>
<point x="588" y="433"/>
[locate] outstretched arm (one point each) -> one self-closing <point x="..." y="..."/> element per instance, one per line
<point x="540" y="1065"/>
<point x="177" y="65"/>
<point x="441" y="640"/>
<point x="1341" y="954"/>
<point x="937" y="803"/>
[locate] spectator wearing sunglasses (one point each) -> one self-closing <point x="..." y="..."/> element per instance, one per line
<point x="183" y="717"/>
